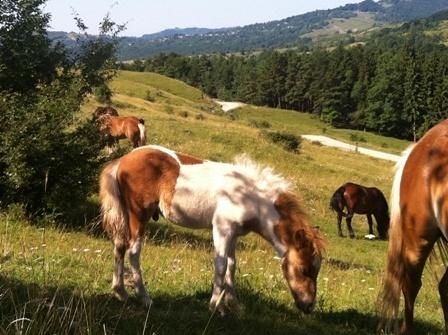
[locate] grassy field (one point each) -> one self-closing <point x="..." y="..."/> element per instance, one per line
<point x="58" y="281"/>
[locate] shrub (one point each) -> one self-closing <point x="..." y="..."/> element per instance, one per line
<point x="103" y="94"/>
<point x="261" y="124"/>
<point x="288" y="141"/>
<point x="232" y="116"/>
<point x="149" y="96"/>
<point x="357" y="138"/>
<point x="49" y="159"/>
<point x="200" y="117"/>
<point x="168" y="109"/>
<point x="184" y="114"/>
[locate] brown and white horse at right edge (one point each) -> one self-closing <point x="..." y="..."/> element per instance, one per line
<point x="229" y="199"/>
<point x="419" y="219"/>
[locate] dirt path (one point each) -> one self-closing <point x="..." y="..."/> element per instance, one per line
<point x="329" y="142"/>
<point x="228" y="106"/>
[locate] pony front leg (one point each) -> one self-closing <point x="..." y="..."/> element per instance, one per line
<point x="370" y="222"/>
<point x="230" y="298"/>
<point x="223" y="239"/>
<point x="117" y="280"/>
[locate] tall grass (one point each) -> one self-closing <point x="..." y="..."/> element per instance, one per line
<point x="58" y="281"/>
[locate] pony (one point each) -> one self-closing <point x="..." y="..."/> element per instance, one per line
<point x="108" y="110"/>
<point x="114" y="128"/>
<point x="419" y="209"/>
<point x="361" y="200"/>
<point x="229" y="199"/>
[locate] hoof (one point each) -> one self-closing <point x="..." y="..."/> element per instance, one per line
<point x="145" y="300"/>
<point x="219" y="309"/>
<point x="120" y="293"/>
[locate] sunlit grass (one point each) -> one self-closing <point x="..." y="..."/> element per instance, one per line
<point x="58" y="281"/>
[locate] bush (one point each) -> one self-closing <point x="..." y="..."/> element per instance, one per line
<point x="200" y="117"/>
<point x="168" y="109"/>
<point x="149" y="96"/>
<point x="261" y="124"/>
<point x="49" y="159"/>
<point x="357" y="138"/>
<point x="288" y="141"/>
<point x="184" y="114"/>
<point x="103" y="94"/>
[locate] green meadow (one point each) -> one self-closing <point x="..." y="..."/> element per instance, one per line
<point x="56" y="281"/>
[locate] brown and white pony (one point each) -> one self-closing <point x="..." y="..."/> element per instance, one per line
<point x="114" y="128"/>
<point x="361" y="200"/>
<point x="229" y="199"/>
<point x="419" y="219"/>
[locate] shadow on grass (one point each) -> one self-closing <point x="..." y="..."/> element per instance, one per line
<point x="35" y="309"/>
<point x="162" y="232"/>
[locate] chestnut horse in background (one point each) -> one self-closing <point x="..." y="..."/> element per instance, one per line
<point x="419" y="211"/>
<point x="361" y="200"/>
<point x="229" y="199"/>
<point x="114" y="128"/>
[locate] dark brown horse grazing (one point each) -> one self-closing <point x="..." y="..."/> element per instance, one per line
<point x="361" y="200"/>
<point x="419" y="211"/>
<point x="114" y="128"/>
<point x="108" y="110"/>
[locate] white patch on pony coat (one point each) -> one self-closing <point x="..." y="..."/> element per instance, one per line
<point x="141" y="127"/>
<point x="167" y="151"/>
<point x="395" y="210"/>
<point x="228" y="195"/>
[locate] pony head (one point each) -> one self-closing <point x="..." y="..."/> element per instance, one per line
<point x="303" y="256"/>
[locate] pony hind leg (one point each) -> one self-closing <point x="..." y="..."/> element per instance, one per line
<point x="339" y="225"/>
<point x="117" y="279"/>
<point x="415" y="259"/>
<point x="348" y="220"/>
<point x="136" y="229"/>
<point x="443" y="291"/>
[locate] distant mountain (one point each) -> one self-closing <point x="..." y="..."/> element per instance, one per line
<point x="169" y="33"/>
<point x="345" y="22"/>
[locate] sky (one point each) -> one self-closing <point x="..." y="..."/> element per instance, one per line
<point x="150" y="16"/>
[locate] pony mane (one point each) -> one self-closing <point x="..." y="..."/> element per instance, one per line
<point x="395" y="192"/>
<point x="293" y="218"/>
<point x="265" y="178"/>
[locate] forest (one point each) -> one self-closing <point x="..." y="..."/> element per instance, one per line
<point x="395" y="84"/>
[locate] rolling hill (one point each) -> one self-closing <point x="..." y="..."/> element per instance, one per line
<point x="294" y="31"/>
<point x="62" y="277"/>
<point x="345" y="23"/>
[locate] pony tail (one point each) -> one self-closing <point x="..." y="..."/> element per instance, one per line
<point x="389" y="298"/>
<point x="114" y="218"/>
<point x="337" y="200"/>
<point x="141" y="127"/>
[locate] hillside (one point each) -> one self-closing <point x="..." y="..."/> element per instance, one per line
<point x="344" y="22"/>
<point x="63" y="277"/>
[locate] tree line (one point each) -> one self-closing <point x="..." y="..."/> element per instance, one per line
<point x="395" y="84"/>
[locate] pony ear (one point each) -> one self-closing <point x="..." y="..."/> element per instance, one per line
<point x="300" y="239"/>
